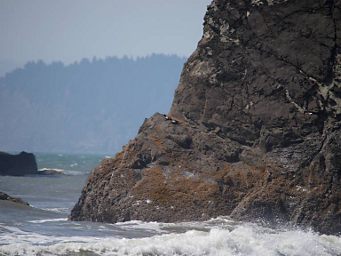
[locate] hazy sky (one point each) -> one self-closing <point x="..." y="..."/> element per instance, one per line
<point x="69" y="30"/>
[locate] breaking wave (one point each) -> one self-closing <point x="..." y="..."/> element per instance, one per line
<point x="62" y="171"/>
<point x="215" y="237"/>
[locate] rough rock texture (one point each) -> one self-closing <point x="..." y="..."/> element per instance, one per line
<point x="5" y="197"/>
<point x="18" y="165"/>
<point x="258" y="134"/>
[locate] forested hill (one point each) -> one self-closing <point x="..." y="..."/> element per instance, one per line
<point x="90" y="106"/>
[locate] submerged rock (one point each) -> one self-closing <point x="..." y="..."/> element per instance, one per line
<point x="5" y="197"/>
<point x="257" y="132"/>
<point x="18" y="165"/>
<point x="48" y="171"/>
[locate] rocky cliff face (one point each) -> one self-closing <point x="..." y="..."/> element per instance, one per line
<point x="257" y="131"/>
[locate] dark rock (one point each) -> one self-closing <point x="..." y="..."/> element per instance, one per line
<point x="4" y="196"/>
<point x="258" y="134"/>
<point x="18" y="165"/>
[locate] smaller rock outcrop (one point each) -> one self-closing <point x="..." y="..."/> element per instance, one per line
<point x="49" y="171"/>
<point x="5" y="197"/>
<point x="18" y="165"/>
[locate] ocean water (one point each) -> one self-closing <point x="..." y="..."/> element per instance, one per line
<point x="44" y="229"/>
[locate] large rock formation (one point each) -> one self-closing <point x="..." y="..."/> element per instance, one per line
<point x="258" y="113"/>
<point x="18" y="165"/>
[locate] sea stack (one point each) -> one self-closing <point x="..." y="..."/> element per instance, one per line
<point x="18" y="165"/>
<point x="258" y="133"/>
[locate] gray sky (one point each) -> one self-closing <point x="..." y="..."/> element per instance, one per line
<point x="69" y="30"/>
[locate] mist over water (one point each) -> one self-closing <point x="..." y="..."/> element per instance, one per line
<point x="91" y="106"/>
<point x="44" y="229"/>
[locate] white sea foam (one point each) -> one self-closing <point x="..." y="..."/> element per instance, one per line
<point x="54" y="169"/>
<point x="58" y="210"/>
<point x="244" y="239"/>
<point x="73" y="164"/>
<point x="63" y="171"/>
<point x="48" y="220"/>
<point x="137" y="224"/>
<point x="74" y="173"/>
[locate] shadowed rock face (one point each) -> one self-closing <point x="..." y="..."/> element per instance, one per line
<point x="18" y="165"/>
<point x="258" y="134"/>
